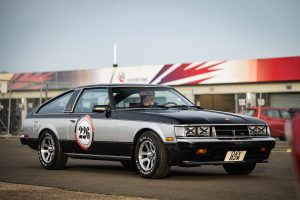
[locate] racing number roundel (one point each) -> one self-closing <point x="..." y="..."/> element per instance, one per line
<point x="84" y="132"/>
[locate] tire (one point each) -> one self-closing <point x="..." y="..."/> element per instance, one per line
<point x="50" y="152"/>
<point x="150" y="156"/>
<point x="239" y="169"/>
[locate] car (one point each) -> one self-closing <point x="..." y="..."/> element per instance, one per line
<point x="295" y="127"/>
<point x="148" y="128"/>
<point x="275" y="118"/>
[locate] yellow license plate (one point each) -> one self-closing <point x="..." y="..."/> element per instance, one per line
<point x="235" y="155"/>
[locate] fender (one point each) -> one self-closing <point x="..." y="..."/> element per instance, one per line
<point x="49" y="127"/>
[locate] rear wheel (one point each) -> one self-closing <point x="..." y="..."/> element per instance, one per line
<point x="50" y="152"/>
<point x="150" y="156"/>
<point x="239" y="168"/>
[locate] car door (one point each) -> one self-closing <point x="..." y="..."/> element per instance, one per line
<point x="89" y="132"/>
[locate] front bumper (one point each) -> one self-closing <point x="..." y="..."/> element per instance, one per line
<point x="183" y="153"/>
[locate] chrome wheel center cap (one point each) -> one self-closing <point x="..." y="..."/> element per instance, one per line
<point x="150" y="155"/>
<point x="50" y="149"/>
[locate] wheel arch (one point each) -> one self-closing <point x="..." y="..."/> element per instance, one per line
<point x="138" y="134"/>
<point x="51" y="129"/>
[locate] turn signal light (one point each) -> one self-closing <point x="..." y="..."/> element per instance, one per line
<point x="263" y="149"/>
<point x="169" y="139"/>
<point x="201" y="151"/>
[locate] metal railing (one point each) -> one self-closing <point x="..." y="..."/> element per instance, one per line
<point x="17" y="98"/>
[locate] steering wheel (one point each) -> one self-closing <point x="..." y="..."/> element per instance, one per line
<point x="170" y="103"/>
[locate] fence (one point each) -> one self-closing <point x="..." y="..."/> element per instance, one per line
<point x="17" y="98"/>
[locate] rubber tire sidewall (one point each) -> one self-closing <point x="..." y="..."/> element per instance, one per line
<point x="161" y="160"/>
<point x="58" y="159"/>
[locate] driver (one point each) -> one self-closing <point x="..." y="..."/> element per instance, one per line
<point x="147" y="98"/>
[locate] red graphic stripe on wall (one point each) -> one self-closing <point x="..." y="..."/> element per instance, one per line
<point x="278" y="69"/>
<point x="165" y="68"/>
<point x="181" y="71"/>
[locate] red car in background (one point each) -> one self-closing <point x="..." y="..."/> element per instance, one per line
<point x="296" y="141"/>
<point x="274" y="117"/>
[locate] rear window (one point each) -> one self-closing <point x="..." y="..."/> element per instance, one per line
<point x="249" y="112"/>
<point x="57" y="105"/>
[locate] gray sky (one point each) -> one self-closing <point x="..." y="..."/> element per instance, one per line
<point x="75" y="34"/>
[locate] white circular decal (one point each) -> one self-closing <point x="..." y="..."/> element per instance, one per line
<point x="84" y="132"/>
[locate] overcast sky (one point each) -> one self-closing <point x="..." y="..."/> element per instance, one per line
<point x="75" y="34"/>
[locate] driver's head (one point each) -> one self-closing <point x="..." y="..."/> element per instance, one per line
<point x="147" y="98"/>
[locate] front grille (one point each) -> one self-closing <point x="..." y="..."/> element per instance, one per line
<point x="232" y="131"/>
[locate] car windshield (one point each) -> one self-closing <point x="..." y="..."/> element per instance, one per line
<point x="148" y="97"/>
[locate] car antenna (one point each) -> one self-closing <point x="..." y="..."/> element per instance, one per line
<point x="115" y="65"/>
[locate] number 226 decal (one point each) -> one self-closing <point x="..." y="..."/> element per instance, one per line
<point x="84" y="132"/>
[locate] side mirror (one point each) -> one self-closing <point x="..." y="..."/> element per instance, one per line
<point x="101" y="108"/>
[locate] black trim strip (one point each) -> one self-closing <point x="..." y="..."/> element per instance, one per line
<point x="97" y="157"/>
<point x="109" y="148"/>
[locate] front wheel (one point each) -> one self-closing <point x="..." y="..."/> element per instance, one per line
<point x="150" y="156"/>
<point x="50" y="152"/>
<point x="239" y="168"/>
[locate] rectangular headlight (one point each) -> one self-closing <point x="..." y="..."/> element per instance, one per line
<point x="258" y="130"/>
<point x="179" y="131"/>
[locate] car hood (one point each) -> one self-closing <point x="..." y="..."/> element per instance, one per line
<point x="192" y="116"/>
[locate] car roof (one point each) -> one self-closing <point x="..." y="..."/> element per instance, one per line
<point x="123" y="85"/>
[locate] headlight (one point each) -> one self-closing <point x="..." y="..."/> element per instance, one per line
<point x="195" y="131"/>
<point x="258" y="130"/>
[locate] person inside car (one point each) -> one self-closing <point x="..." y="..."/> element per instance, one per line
<point x="147" y="98"/>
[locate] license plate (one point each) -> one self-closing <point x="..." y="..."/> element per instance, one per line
<point x="235" y="156"/>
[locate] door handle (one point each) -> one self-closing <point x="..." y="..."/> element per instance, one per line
<point x="72" y="120"/>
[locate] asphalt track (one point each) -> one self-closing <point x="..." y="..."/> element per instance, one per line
<point x="275" y="180"/>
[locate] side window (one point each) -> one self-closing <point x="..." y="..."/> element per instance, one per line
<point x="130" y="101"/>
<point x="265" y="113"/>
<point x="285" y="114"/>
<point x="90" y="98"/>
<point x="273" y="113"/>
<point x="56" y="106"/>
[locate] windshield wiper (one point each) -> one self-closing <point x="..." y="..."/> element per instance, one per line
<point x="186" y="107"/>
<point x="160" y="106"/>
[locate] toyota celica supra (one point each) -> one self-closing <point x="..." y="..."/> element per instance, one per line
<point x="148" y="128"/>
